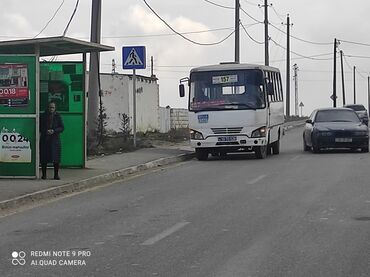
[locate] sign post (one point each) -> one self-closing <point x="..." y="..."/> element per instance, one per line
<point x="134" y="57"/>
<point x="301" y="105"/>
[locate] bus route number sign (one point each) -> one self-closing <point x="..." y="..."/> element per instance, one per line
<point x="227" y="79"/>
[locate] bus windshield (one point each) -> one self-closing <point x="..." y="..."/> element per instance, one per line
<point x="224" y="90"/>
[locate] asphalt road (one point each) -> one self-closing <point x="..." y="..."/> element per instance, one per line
<point x="294" y="214"/>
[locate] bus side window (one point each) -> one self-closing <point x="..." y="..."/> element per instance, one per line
<point x="276" y="90"/>
<point x="280" y="88"/>
<point x="270" y="86"/>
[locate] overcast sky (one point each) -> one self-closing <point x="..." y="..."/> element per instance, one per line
<point x="130" y="22"/>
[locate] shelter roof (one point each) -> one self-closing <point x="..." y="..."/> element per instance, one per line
<point x="51" y="46"/>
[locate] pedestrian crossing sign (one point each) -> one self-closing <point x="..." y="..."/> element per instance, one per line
<point x="133" y="57"/>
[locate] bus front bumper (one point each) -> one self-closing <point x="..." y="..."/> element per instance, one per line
<point x="233" y="142"/>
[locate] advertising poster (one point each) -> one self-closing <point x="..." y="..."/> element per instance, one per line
<point x="17" y="146"/>
<point x="14" y="91"/>
<point x="14" y="147"/>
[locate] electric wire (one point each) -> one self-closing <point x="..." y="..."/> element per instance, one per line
<point x="70" y="20"/>
<point x="278" y="15"/>
<point x="279" y="39"/>
<point x="258" y="21"/>
<point x="353" y="42"/>
<point x="351" y="67"/>
<point x="346" y="62"/>
<point x="51" y="19"/>
<point x="356" y="56"/>
<point x="184" y="37"/>
<point x="218" y="5"/>
<point x="256" y="41"/>
<point x="173" y="34"/>
<point x="303" y="56"/>
<point x="300" y="39"/>
<point x="250" y="3"/>
<point x="360" y="73"/>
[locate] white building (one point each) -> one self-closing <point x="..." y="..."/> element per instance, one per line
<point x="118" y="99"/>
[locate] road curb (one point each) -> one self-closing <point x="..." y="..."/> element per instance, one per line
<point x="89" y="183"/>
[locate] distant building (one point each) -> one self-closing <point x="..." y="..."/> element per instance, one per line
<point x="172" y="118"/>
<point x="118" y="100"/>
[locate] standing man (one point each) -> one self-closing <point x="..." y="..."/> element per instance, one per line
<point x="51" y="125"/>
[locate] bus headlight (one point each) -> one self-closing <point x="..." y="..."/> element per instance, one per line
<point x="196" y="135"/>
<point x="261" y="132"/>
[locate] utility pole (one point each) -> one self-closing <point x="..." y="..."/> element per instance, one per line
<point x="341" y="66"/>
<point x="301" y="105"/>
<point x="354" y="85"/>
<point x="237" y="33"/>
<point x="93" y="91"/>
<point x="368" y="93"/>
<point x="113" y="66"/>
<point x="295" y="77"/>
<point x="267" y="61"/>
<point x="151" y="67"/>
<point x="288" y="67"/>
<point x="334" y="96"/>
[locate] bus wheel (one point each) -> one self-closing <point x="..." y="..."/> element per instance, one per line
<point x="201" y="154"/>
<point x="276" y="147"/>
<point x="260" y="151"/>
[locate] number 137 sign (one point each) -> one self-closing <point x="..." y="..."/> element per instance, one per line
<point x="14" y="148"/>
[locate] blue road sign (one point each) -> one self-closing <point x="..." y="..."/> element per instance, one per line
<point x="133" y="57"/>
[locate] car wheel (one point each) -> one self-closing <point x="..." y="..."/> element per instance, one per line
<point x="201" y="154"/>
<point x="276" y="147"/>
<point x="315" y="148"/>
<point x="260" y="152"/>
<point x="305" y="147"/>
<point x="365" y="149"/>
<point x="223" y="154"/>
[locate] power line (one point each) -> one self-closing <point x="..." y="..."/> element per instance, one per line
<point x="250" y="3"/>
<point x="300" y="39"/>
<point x="258" y="21"/>
<point x="173" y="34"/>
<point x="278" y="15"/>
<point x="356" y="56"/>
<point x="360" y="73"/>
<point x="303" y="56"/>
<point x="218" y="5"/>
<point x="70" y="20"/>
<point x="47" y="24"/>
<point x="279" y="38"/>
<point x="353" y="42"/>
<point x="347" y="63"/>
<point x="245" y="30"/>
<point x="176" y="32"/>
<point x="321" y="71"/>
<point x="351" y="67"/>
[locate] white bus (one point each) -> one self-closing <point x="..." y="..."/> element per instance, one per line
<point x="235" y="107"/>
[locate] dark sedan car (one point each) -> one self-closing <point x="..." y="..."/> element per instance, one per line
<point x="361" y="112"/>
<point x="335" y="128"/>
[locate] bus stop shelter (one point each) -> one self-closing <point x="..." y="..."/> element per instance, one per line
<point x="26" y="86"/>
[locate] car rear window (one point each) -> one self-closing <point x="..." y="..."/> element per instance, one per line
<point x="356" y="107"/>
<point x="336" y="116"/>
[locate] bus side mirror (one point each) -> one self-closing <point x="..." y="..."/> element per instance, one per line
<point x="309" y="121"/>
<point x="270" y="89"/>
<point x="182" y="90"/>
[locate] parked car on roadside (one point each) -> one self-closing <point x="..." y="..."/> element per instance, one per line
<point x="361" y="112"/>
<point x="335" y="128"/>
